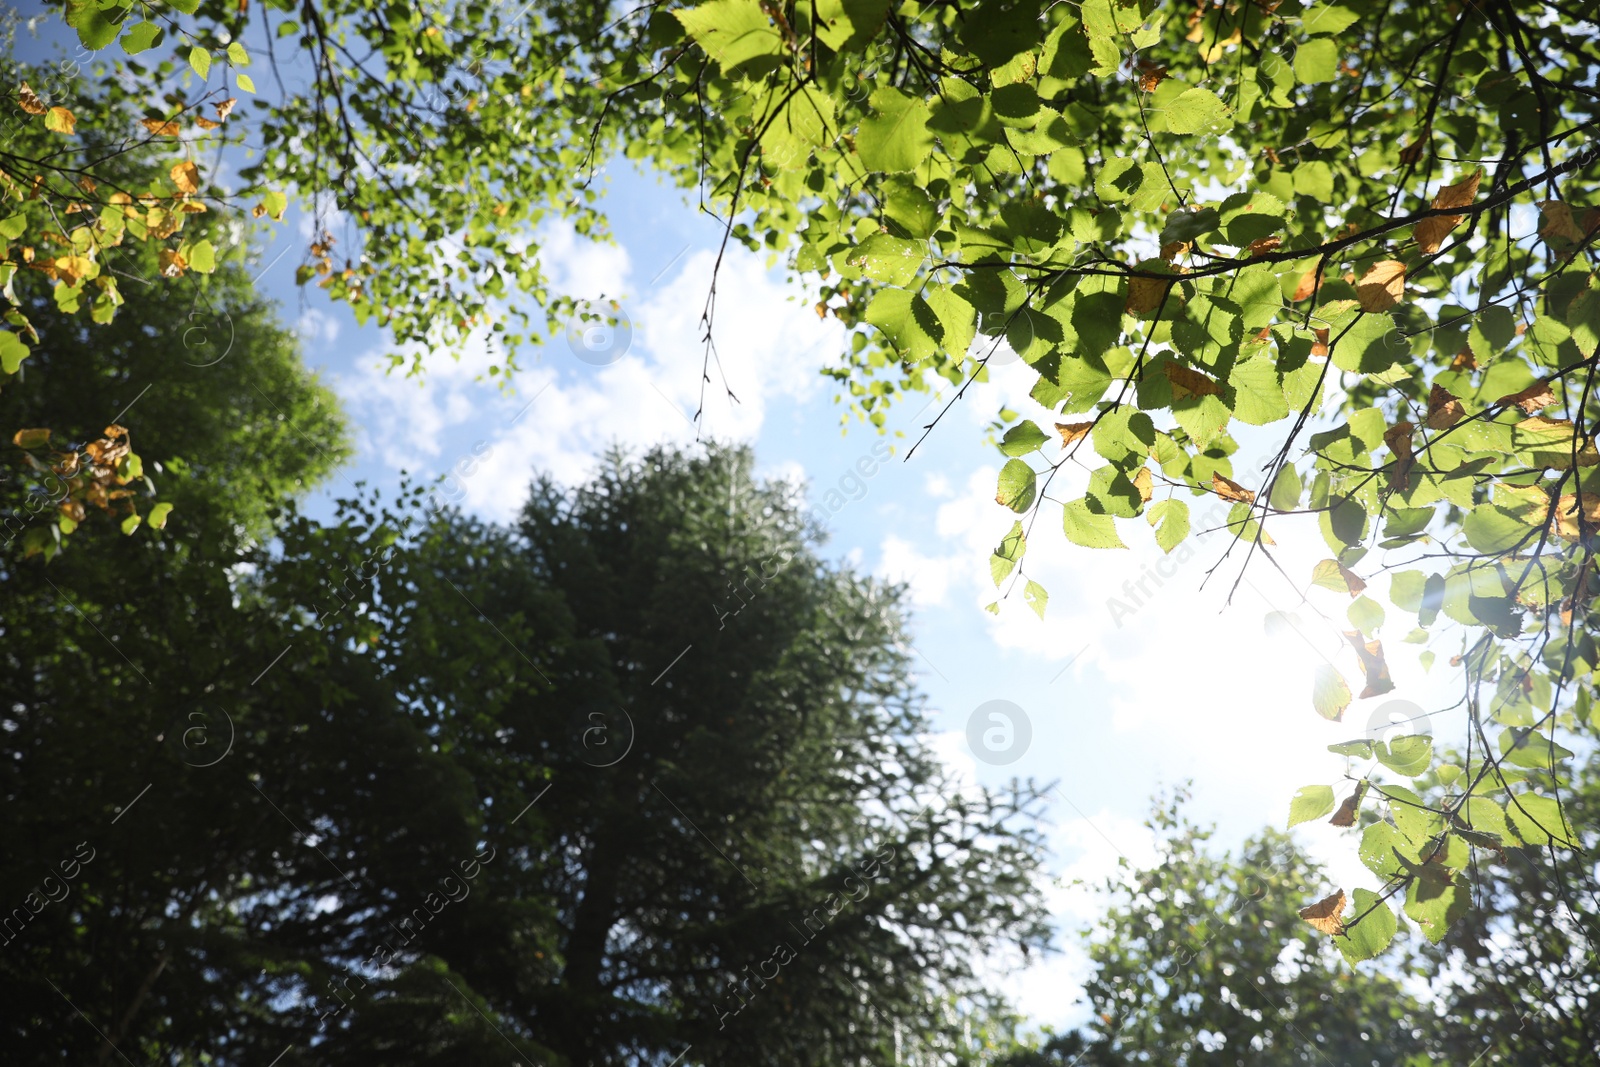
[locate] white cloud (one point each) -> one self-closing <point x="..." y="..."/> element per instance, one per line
<point x="768" y="351"/>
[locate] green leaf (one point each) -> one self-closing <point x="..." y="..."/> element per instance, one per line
<point x="275" y="204"/>
<point x="1435" y="899"/>
<point x="907" y="320"/>
<point x="1526" y="747"/>
<point x="1018" y="484"/>
<point x="1409" y="756"/>
<point x="1358" y="749"/>
<point x="1171" y="520"/>
<point x="1419" y="823"/>
<point x="849" y="24"/>
<point x="1380" y="843"/>
<point x="130" y="524"/>
<point x="1197" y="110"/>
<point x="1492" y="530"/>
<point x="1119" y="178"/>
<point x="1583" y="318"/>
<point x="891" y="260"/>
<point x="1374" y="927"/>
<point x="1365" y="614"/>
<point x="1086" y="528"/>
<point x="202" y="257"/>
<point x="1310" y="802"/>
<point x="737" y="34"/>
<point x="237" y="54"/>
<point x="244" y="83"/>
<point x="1259" y="398"/>
<point x="1005" y="558"/>
<point x="94" y="25"/>
<point x="13" y="350"/>
<point x="139" y="38"/>
<point x="200" y="61"/>
<point x="1326" y="18"/>
<point x="1035" y="596"/>
<point x="895" y="137"/>
<point x="158" y="516"/>
<point x="1330" y="694"/>
<point x="12" y="227"/>
<point x="1539" y="819"/>
<point x="1022" y="438"/>
<point x="1315" y="61"/>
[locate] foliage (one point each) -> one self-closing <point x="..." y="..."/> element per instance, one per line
<point x="1200" y="959"/>
<point x="1367" y="227"/>
<point x="237" y="422"/>
<point x="410" y="760"/>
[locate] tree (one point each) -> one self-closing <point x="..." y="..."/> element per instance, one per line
<point x="440" y="761"/>
<point x="1519" y="975"/>
<point x="1202" y="960"/>
<point x="736" y="832"/>
<point x="1182" y="219"/>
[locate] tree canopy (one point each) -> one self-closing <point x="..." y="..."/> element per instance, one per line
<point x="416" y="788"/>
<point x="1365" y="227"/>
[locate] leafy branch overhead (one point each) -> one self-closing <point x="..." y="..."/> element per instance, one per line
<point x="1365" y="227"/>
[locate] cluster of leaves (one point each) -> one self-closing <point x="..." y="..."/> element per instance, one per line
<point x="492" y="102"/>
<point x="94" y="174"/>
<point x="95" y="475"/>
<point x="1364" y="224"/>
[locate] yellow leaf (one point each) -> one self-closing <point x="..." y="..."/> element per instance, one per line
<point x="186" y="177"/>
<point x="1531" y="400"/>
<point x="1558" y="222"/>
<point x="1398" y="438"/>
<point x="1326" y="914"/>
<point x="1377" y="669"/>
<point x="160" y="127"/>
<point x="1431" y="232"/>
<point x="60" y="120"/>
<point x="1383" y="286"/>
<point x="1187" y="383"/>
<point x="1444" y="410"/>
<point x="1145" y="294"/>
<point x="1142" y="482"/>
<point x="225" y="108"/>
<point x="205" y="123"/>
<point x="1230" y="490"/>
<point x="1346" y="815"/>
<point x="1570" y="524"/>
<point x="172" y="263"/>
<point x="1307" y="286"/>
<point x="31" y="438"/>
<point x="1073" y="431"/>
<point x="29" y="101"/>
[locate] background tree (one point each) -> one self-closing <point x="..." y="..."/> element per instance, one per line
<point x="1201" y="959"/>
<point x="333" y="784"/>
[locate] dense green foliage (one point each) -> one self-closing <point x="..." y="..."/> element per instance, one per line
<point x="408" y="788"/>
